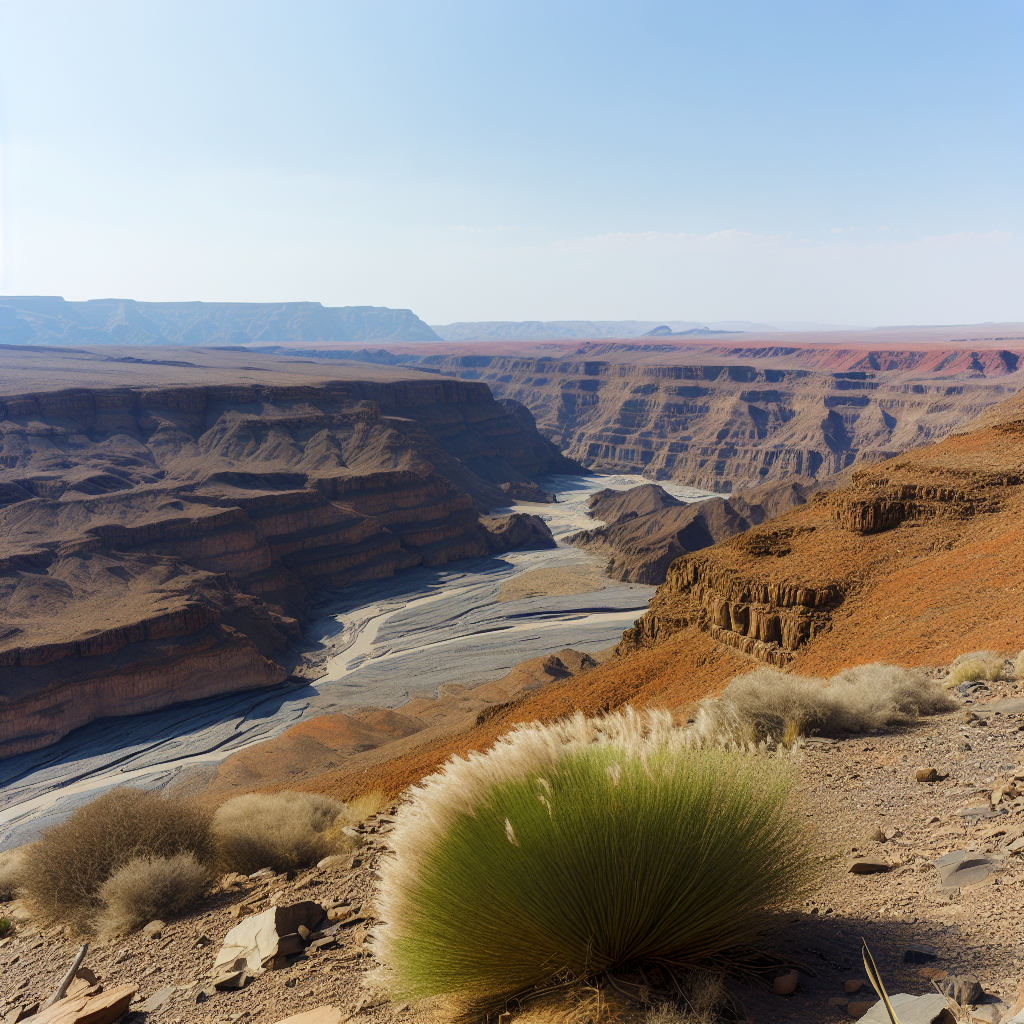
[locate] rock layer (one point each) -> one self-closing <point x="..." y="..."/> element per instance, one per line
<point x="737" y="417"/>
<point x="917" y="559"/>
<point x="162" y="545"/>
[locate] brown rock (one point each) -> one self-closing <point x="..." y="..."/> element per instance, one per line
<point x="319" y="1015"/>
<point x="853" y="985"/>
<point x="785" y="984"/>
<point x="867" y="865"/>
<point x="927" y="774"/>
<point x="860" y="1007"/>
<point x="103" y="1008"/>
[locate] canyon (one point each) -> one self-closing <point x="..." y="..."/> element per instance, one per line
<point x="163" y="541"/>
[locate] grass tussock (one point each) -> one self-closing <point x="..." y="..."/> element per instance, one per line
<point x="580" y="846"/>
<point x="150" y="888"/>
<point x="979" y="665"/>
<point x="769" y="705"/>
<point x="63" y="873"/>
<point x="280" y="830"/>
<point x="1017" y="666"/>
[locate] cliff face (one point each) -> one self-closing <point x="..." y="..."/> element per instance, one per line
<point x="163" y="544"/>
<point x="916" y="561"/>
<point x="734" y="425"/>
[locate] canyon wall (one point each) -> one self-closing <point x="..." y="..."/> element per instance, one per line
<point x="736" y="417"/>
<point x="917" y="560"/>
<point x="164" y="543"/>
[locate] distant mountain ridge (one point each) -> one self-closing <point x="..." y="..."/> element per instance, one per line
<point x="50" y="320"/>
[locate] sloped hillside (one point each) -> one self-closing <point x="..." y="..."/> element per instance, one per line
<point x="916" y="561"/>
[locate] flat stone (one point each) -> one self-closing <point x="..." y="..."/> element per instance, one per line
<point x="927" y="1009"/>
<point x="961" y="868"/>
<point x="103" y="1008"/>
<point x="158" y="999"/>
<point x="867" y="865"/>
<point x="920" y="953"/>
<point x="319" y="1015"/>
<point x="1004" y="706"/>
<point x="256" y="939"/>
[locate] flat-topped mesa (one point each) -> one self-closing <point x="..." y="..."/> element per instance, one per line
<point x="162" y="545"/>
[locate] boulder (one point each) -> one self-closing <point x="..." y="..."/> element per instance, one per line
<point x="256" y="939"/>
<point x="102" y="1008"/>
<point x="963" y="989"/>
<point x="929" y="1009"/>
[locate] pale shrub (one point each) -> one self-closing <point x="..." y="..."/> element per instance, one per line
<point x="62" y="873"/>
<point x="150" y="888"/>
<point x="11" y="869"/>
<point x="767" y="704"/>
<point x="1017" y="668"/>
<point x="579" y="846"/>
<point x="279" y="830"/>
<point x="979" y="665"/>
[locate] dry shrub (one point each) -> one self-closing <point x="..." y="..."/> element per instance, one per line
<point x="279" y="830"/>
<point x="1017" y="667"/>
<point x="979" y="665"/>
<point x="64" y="871"/>
<point x="767" y="704"/>
<point x="11" y="869"/>
<point x="579" y="846"/>
<point x="150" y="888"/>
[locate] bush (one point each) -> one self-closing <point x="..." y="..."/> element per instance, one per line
<point x="767" y="704"/>
<point x="279" y="830"/>
<point x="980" y="665"/>
<point x="150" y="888"/>
<point x="11" y="868"/>
<point x="573" y="848"/>
<point x="5" y="927"/>
<point x="64" y="871"/>
<point x="1017" y="667"/>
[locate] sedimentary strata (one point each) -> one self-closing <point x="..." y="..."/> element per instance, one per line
<point x="163" y="544"/>
<point x="917" y="558"/>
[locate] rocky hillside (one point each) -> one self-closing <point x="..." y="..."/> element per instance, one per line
<point x="50" y="320"/>
<point x="728" y="418"/>
<point x="916" y="560"/>
<point x="164" y="543"/>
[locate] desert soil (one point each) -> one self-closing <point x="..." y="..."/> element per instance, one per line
<point x="853" y="788"/>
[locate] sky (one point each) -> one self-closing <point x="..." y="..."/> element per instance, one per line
<point x="846" y="162"/>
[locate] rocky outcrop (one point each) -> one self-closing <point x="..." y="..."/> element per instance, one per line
<point x="921" y="552"/>
<point x="162" y="545"/>
<point x="647" y="529"/>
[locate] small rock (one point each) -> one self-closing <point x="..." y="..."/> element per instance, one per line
<point x="231" y="981"/>
<point x="158" y="999"/>
<point x="927" y="774"/>
<point x="154" y="930"/>
<point x="878" y="836"/>
<point x="304" y="932"/>
<point x="264" y="873"/>
<point x="932" y="973"/>
<point x="962" y="988"/>
<point x="867" y="865"/>
<point x="207" y="993"/>
<point x="203" y="940"/>
<point x="320" y="1015"/>
<point x="785" y="984"/>
<point x="852" y="985"/>
<point x="860" y="1007"/>
<point x="920" y="953"/>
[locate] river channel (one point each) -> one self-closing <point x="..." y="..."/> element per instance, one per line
<point x="383" y="642"/>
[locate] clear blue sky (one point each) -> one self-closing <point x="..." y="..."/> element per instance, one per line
<point x="850" y="162"/>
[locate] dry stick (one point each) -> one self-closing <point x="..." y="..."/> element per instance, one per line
<point x="68" y="978"/>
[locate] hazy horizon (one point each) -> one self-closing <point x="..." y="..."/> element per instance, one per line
<point x="851" y="163"/>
